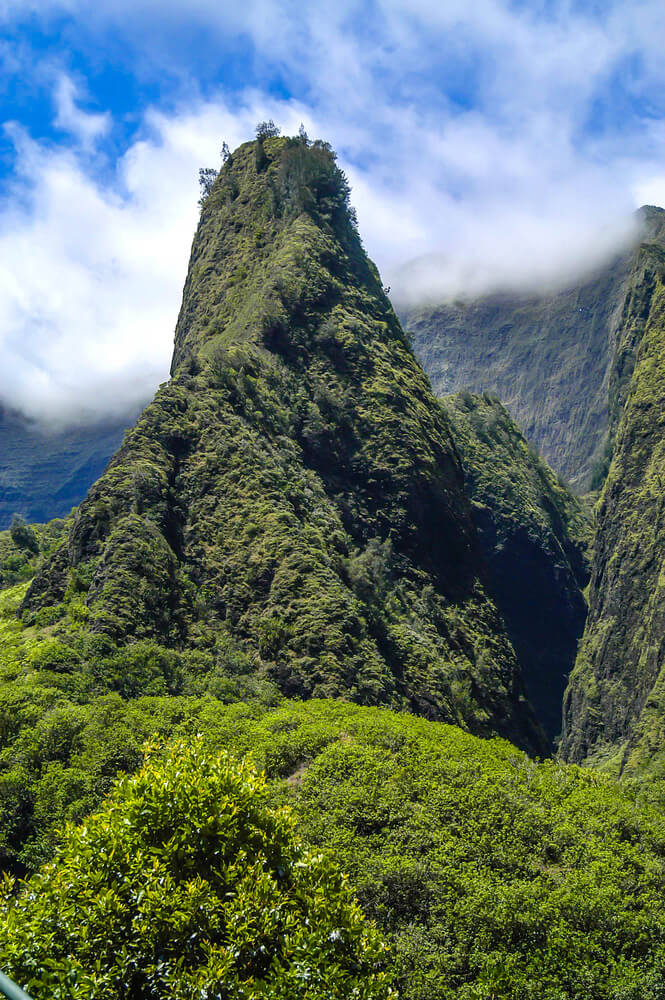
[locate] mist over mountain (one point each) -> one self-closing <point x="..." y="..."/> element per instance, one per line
<point x="550" y="357"/>
<point x="44" y="473"/>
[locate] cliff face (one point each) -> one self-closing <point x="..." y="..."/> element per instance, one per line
<point x="535" y="535"/>
<point x="550" y="359"/>
<point x="614" y="707"/>
<point x="295" y="488"/>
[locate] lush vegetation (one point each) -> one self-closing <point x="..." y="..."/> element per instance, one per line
<point x="289" y="519"/>
<point x="293" y="494"/>
<point x="185" y="885"/>
<point x="25" y="547"/>
<point x="490" y="875"/>
<point x="535" y="536"/>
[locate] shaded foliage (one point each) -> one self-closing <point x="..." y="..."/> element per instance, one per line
<point x="536" y="536"/>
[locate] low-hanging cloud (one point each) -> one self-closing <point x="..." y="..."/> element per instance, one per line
<point x="512" y="189"/>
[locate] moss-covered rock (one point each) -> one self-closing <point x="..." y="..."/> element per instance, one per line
<point x="295" y="484"/>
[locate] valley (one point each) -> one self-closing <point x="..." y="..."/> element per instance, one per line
<point x="385" y="689"/>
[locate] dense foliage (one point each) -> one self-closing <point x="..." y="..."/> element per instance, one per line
<point x="25" y="547"/>
<point x="491" y="875"/>
<point x="535" y="535"/>
<point x="186" y="884"/>
<point x="294" y="491"/>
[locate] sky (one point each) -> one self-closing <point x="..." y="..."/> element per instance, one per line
<point x="489" y="145"/>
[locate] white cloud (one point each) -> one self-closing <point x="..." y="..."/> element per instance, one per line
<point x="91" y="268"/>
<point x="86" y="127"/>
<point x="519" y="181"/>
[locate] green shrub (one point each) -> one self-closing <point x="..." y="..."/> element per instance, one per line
<point x="186" y="885"/>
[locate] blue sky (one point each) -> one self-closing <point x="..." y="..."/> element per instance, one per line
<point x="489" y="144"/>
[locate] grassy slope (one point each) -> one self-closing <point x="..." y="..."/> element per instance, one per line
<point x="493" y="876"/>
<point x="535" y="536"/>
<point x="294" y="489"/>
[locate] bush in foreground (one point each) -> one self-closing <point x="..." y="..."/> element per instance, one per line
<point x="188" y="885"/>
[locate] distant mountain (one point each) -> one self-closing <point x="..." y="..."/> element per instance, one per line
<point x="549" y="358"/>
<point x="44" y="474"/>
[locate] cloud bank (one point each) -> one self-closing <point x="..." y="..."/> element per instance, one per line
<point x="488" y="146"/>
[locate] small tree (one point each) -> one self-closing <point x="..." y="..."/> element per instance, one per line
<point x="207" y="177"/>
<point x="23" y="535"/>
<point x="187" y="884"/>
<point x="226" y="153"/>
<point x="267" y="130"/>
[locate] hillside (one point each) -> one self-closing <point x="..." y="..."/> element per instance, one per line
<point x="614" y="706"/>
<point x="549" y="358"/>
<point x="492" y="877"/>
<point x="43" y="474"/>
<point x="294" y="492"/>
<point x="535" y="536"/>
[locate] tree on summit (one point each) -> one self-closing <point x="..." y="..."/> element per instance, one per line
<point x="207" y="177"/>
<point x="267" y="130"/>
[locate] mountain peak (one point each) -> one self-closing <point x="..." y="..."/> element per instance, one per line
<point x="292" y="501"/>
<point x="275" y="203"/>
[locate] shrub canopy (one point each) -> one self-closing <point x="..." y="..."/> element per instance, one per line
<point x="188" y="885"/>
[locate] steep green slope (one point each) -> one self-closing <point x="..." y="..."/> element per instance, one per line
<point x="44" y="474"/>
<point x="549" y="358"/>
<point x="614" y="706"/>
<point x="494" y="878"/>
<point x="535" y="537"/>
<point x="294" y="489"/>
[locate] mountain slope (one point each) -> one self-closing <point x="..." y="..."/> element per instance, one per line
<point x="549" y="358"/>
<point x="535" y="537"/>
<point x="295" y="487"/>
<point x="614" y="707"/>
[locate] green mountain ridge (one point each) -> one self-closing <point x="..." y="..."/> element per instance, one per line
<point x="296" y="524"/>
<point x="552" y="359"/>
<point x="614" y="712"/>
